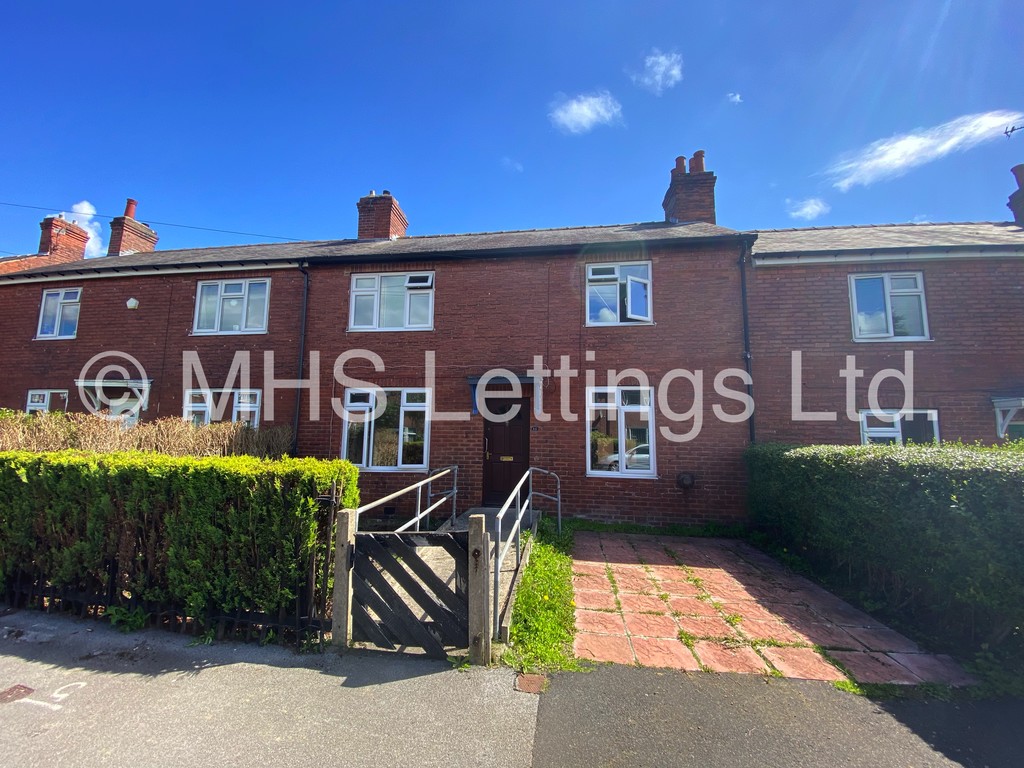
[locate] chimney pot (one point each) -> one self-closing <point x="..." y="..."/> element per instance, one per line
<point x="697" y="163"/>
<point x="129" y="208"/>
<point x="1016" y="202"/>
<point x="681" y="164"/>
<point x="1018" y="174"/>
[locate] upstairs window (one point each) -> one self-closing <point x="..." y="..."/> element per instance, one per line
<point x="205" y="406"/>
<point x="920" y="427"/>
<point x="888" y="307"/>
<point x="42" y="400"/>
<point x="396" y="439"/>
<point x="392" y="302"/>
<point x="232" y="306"/>
<point x="619" y="294"/>
<point x="58" y="315"/>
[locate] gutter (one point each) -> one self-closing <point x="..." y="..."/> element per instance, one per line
<point x="301" y="367"/>
<point x="747" y="357"/>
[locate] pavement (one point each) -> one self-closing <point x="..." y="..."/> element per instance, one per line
<point x="77" y="692"/>
<point x="720" y="605"/>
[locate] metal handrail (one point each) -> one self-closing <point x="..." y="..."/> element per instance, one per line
<point x="418" y="487"/>
<point x="521" y="507"/>
<point x="452" y="492"/>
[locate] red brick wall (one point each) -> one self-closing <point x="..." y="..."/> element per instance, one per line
<point x="975" y="320"/>
<point x="487" y="313"/>
<point x="156" y="334"/>
<point x="500" y="313"/>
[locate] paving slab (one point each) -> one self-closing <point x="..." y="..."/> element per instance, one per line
<point x="633" y="603"/>
<point x="870" y="667"/>
<point x="612" y="648"/>
<point x="722" y="658"/>
<point x="666" y="653"/>
<point x="801" y="664"/>
<point x="935" y="668"/>
<point x="649" y="625"/>
<point x="601" y="622"/>
<point x="766" y="605"/>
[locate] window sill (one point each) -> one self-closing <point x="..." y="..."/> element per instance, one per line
<point x="636" y="324"/>
<point x="621" y="476"/>
<point x="388" y="330"/>
<point x="392" y="470"/>
<point x="892" y="340"/>
<point x="54" y="338"/>
<point x="228" y="333"/>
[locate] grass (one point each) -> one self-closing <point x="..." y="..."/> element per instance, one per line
<point x="544" y="622"/>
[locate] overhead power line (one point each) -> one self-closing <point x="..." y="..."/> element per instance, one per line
<point x="160" y="223"/>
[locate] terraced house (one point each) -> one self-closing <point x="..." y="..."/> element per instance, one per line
<point x="635" y="361"/>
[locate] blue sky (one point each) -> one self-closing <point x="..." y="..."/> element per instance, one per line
<point x="480" y="116"/>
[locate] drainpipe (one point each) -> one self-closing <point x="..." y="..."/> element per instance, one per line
<point x="744" y="255"/>
<point x="302" y="359"/>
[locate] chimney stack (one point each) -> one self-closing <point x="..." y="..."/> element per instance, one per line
<point x="1016" y="203"/>
<point x="61" y="240"/>
<point x="380" y="217"/>
<point x="128" y="235"/>
<point x="690" y="195"/>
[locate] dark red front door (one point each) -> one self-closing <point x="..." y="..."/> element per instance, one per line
<point x="506" y="450"/>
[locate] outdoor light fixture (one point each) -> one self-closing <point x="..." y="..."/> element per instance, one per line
<point x="132" y="303"/>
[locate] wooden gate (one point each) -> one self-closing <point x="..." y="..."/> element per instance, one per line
<point x="407" y="592"/>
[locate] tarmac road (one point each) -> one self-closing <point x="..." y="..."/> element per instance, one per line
<point x="101" y="698"/>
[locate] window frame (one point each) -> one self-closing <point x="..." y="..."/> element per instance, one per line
<point x="428" y="288"/>
<point x="896" y="430"/>
<point x="247" y="283"/>
<point x="61" y="303"/>
<point x="366" y="404"/>
<point x="621" y="409"/>
<point x="889" y="291"/>
<point x="49" y="394"/>
<point x="206" y="408"/>
<point x="628" y="281"/>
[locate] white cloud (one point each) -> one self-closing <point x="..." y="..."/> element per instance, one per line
<point x="84" y="213"/>
<point x="892" y="157"/>
<point x="511" y="165"/>
<point x="661" y="71"/>
<point x="734" y="98"/>
<point x="808" y="209"/>
<point x="584" y="112"/>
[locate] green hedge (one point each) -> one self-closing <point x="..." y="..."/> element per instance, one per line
<point x="933" y="533"/>
<point x="207" y="535"/>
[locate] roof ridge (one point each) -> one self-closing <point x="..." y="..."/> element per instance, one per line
<point x="880" y="226"/>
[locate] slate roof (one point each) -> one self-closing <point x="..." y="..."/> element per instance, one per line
<point x="979" y="235"/>
<point x="423" y="247"/>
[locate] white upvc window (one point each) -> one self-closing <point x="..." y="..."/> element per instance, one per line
<point x="620" y="432"/>
<point x="232" y="306"/>
<point x="205" y="406"/>
<point x="58" y="314"/>
<point x="889" y="426"/>
<point x="889" y="307"/>
<point x="398" y="438"/>
<point x="42" y="400"/>
<point x="619" y="294"/>
<point x="392" y="302"/>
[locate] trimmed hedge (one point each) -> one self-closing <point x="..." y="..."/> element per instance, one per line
<point x="935" y="533"/>
<point x="209" y="536"/>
